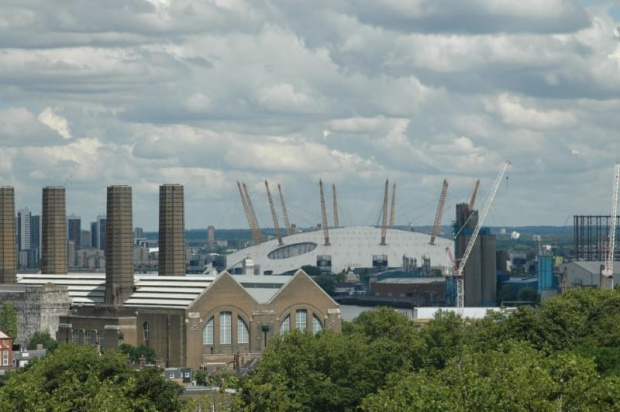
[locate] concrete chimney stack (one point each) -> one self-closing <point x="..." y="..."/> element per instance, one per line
<point x="54" y="231"/>
<point x="119" y="245"/>
<point x="171" y="230"/>
<point x="8" y="262"/>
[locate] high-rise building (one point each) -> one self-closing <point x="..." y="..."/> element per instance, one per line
<point x="119" y="245"/>
<point x="35" y="232"/>
<point x="74" y="230"/>
<point x="93" y="235"/>
<point x="171" y="230"/>
<point x="138" y="233"/>
<point x="8" y="264"/>
<point x="101" y="232"/>
<point x="86" y="239"/>
<point x="54" y="231"/>
<point x="211" y="236"/>
<point x="23" y="229"/>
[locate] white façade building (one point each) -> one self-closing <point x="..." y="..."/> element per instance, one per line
<point x="350" y="247"/>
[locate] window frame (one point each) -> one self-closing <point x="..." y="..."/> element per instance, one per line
<point x="225" y="328"/>
<point x="208" y="333"/>
<point x="301" y="322"/>
<point x="286" y="321"/>
<point x="243" y="331"/>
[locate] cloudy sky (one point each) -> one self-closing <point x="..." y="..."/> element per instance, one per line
<point x="208" y="92"/>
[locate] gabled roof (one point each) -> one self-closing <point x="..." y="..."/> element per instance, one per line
<point x="4" y="335"/>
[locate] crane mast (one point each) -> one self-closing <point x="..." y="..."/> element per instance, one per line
<point x="289" y="229"/>
<point x="439" y="213"/>
<point x="472" y="201"/>
<point x="324" y="215"/>
<point x="276" y="225"/>
<point x="608" y="270"/>
<point x="244" y="202"/>
<point x="393" y="209"/>
<point x="336" y="222"/>
<point x="384" y="217"/>
<point x="256" y="234"/>
<point x="460" y="290"/>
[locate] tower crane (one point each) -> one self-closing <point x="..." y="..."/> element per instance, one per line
<point x="460" y="290"/>
<point x="608" y="270"/>
<point x="439" y="213"/>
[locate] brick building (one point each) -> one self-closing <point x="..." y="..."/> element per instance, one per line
<point x="6" y="352"/>
<point x="202" y="321"/>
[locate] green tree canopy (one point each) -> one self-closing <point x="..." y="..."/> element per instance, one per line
<point x="8" y="319"/>
<point x="78" y="378"/>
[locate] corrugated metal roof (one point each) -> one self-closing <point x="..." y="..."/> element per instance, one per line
<point x="150" y="290"/>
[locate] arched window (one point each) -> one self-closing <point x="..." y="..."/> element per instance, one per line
<point x="76" y="337"/>
<point x="225" y="328"/>
<point x="145" y="327"/>
<point x="285" y="325"/>
<point x="243" y="334"/>
<point x="89" y="337"/>
<point x="316" y="324"/>
<point x="300" y="319"/>
<point x="207" y="333"/>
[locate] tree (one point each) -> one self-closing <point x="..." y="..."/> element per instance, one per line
<point x="528" y="294"/>
<point x="42" y="338"/>
<point x="79" y="378"/>
<point x="8" y="319"/>
<point x="311" y="270"/>
<point x="135" y="353"/>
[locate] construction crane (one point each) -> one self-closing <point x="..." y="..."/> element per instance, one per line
<point x="460" y="290"/>
<point x="608" y="270"/>
<point x="289" y="229"/>
<point x="453" y="267"/>
<point x="439" y="213"/>
<point x="257" y="236"/>
<point x="393" y="209"/>
<point x="324" y="214"/>
<point x="384" y="217"/>
<point x="276" y="225"/>
<point x="472" y="201"/>
<point x="336" y="222"/>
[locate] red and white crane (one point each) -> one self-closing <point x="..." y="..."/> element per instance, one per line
<point x="608" y="270"/>
<point x="458" y="271"/>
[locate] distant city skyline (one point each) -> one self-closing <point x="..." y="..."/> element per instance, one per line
<point x="246" y="91"/>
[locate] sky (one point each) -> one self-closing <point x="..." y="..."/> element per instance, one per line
<point x="207" y="93"/>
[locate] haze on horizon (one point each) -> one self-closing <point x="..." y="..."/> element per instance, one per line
<point x="208" y="93"/>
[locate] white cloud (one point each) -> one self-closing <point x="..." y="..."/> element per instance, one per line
<point x="55" y="122"/>
<point x="515" y="114"/>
